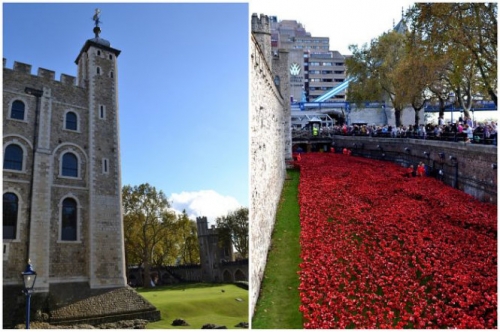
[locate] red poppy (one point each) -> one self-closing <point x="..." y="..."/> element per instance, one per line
<point x="384" y="251"/>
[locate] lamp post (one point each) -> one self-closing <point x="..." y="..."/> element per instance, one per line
<point x="29" y="278"/>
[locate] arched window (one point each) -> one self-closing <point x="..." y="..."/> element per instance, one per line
<point x="17" y="110"/>
<point x="70" y="165"/>
<point x="13" y="158"/>
<point x="10" y="210"/>
<point x="68" y="220"/>
<point x="71" y="121"/>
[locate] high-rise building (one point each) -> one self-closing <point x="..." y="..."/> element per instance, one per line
<point x="314" y="69"/>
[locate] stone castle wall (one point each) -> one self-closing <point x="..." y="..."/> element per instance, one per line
<point x="96" y="258"/>
<point x="268" y="137"/>
<point x="49" y="188"/>
<point x="40" y="186"/>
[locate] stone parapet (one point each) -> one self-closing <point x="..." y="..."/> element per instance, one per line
<point x="467" y="167"/>
<point x="42" y="73"/>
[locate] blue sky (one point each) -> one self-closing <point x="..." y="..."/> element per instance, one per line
<point x="183" y="88"/>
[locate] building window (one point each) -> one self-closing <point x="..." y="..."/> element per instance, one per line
<point x="111" y="75"/>
<point x="70" y="165"/>
<point x="13" y="158"/>
<point x="68" y="220"/>
<point x="110" y="57"/>
<point x="98" y="52"/>
<point x="71" y="121"/>
<point x="105" y="166"/>
<point x="102" y="112"/>
<point x="17" y="110"/>
<point x="98" y="71"/>
<point x="10" y="211"/>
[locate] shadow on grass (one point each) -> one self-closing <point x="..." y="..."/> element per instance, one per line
<point x="180" y="286"/>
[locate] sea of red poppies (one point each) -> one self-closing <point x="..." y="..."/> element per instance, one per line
<point x="381" y="250"/>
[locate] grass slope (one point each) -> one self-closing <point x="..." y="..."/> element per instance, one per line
<point x="198" y="304"/>
<point x="278" y="304"/>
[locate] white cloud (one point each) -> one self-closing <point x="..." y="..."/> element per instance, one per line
<point x="201" y="203"/>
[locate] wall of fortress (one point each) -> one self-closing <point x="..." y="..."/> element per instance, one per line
<point x="472" y="168"/>
<point x="48" y="187"/>
<point x="268" y="137"/>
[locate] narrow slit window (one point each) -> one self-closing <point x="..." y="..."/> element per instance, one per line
<point x="102" y="112"/>
<point x="105" y="166"/>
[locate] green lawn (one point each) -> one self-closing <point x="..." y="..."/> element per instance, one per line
<point x="198" y="304"/>
<point x="278" y="303"/>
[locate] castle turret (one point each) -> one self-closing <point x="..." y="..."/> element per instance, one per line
<point x="261" y="29"/>
<point x="97" y="71"/>
<point x="208" y="248"/>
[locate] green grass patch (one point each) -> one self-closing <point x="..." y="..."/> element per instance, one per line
<point x="198" y="304"/>
<point x="279" y="300"/>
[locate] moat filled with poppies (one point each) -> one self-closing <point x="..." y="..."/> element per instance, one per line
<point x="381" y="250"/>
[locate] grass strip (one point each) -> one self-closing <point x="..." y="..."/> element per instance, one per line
<point x="279" y="300"/>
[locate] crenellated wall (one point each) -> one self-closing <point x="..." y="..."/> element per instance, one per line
<point x="45" y="74"/>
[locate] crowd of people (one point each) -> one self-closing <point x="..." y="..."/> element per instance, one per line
<point x="462" y="130"/>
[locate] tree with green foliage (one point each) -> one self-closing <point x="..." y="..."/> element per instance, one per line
<point x="234" y="227"/>
<point x="420" y="76"/>
<point x="375" y="67"/>
<point x="147" y="222"/>
<point x="465" y="35"/>
<point x="189" y="249"/>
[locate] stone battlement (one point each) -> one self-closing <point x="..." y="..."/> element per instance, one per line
<point x="260" y="24"/>
<point x="42" y="73"/>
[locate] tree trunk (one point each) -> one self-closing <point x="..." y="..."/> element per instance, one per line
<point x="493" y="95"/>
<point x="417" y="116"/>
<point x="147" y="275"/>
<point x="397" y="114"/>
<point x="441" y="108"/>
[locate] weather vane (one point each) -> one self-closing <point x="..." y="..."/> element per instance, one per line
<point x="96" y="17"/>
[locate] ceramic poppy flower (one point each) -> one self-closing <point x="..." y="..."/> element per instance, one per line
<point x="383" y="251"/>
